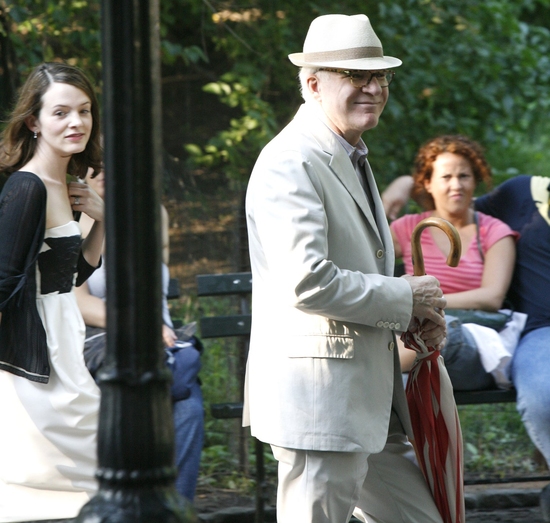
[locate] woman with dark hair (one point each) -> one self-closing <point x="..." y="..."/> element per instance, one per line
<point x="446" y="173"/>
<point x="49" y="401"/>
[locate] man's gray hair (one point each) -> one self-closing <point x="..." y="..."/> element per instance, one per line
<point x="303" y="75"/>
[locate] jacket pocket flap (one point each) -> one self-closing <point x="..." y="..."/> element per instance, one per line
<point x="321" y="347"/>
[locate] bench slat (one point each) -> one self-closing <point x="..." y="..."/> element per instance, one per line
<point x="221" y="284"/>
<point x="226" y="410"/>
<point x="239" y="284"/>
<point x="235" y="410"/>
<point x="474" y="397"/>
<point x="173" y="289"/>
<point x="222" y="326"/>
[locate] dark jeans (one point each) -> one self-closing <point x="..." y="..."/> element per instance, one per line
<point x="462" y="359"/>
<point x="189" y="429"/>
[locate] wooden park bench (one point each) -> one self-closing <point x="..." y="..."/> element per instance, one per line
<point x="240" y="284"/>
<point x="173" y="289"/>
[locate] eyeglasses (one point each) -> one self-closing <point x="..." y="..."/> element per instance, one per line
<point x="361" y="79"/>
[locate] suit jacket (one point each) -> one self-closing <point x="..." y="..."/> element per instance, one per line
<point x="323" y="368"/>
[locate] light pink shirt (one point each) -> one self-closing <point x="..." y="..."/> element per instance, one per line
<point x="469" y="272"/>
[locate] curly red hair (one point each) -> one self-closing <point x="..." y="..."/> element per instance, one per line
<point x="457" y="144"/>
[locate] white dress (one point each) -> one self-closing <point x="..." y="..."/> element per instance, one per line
<point x="48" y="433"/>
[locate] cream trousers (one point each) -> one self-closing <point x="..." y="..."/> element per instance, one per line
<point x="328" y="487"/>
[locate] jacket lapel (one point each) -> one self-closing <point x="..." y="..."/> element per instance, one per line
<point x="383" y="227"/>
<point x="338" y="161"/>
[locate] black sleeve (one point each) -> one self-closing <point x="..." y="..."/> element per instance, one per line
<point x="22" y="222"/>
<point x="486" y="204"/>
<point x="84" y="270"/>
<point x="503" y="199"/>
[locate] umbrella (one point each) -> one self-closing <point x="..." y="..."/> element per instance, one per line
<point x="434" y="416"/>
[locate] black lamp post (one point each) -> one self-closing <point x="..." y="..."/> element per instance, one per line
<point x="135" y="440"/>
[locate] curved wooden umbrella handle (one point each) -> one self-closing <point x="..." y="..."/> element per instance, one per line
<point x="448" y="229"/>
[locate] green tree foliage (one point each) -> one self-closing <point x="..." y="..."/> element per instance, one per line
<point x="479" y="68"/>
<point x="32" y="32"/>
<point x="251" y="131"/>
<point x="469" y="67"/>
<point x="35" y="31"/>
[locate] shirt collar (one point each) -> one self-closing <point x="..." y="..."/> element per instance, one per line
<point x="350" y="149"/>
<point x="357" y="154"/>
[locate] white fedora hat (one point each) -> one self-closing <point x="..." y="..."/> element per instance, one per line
<point x="343" y="42"/>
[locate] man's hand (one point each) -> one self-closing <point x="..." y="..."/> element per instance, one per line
<point x="428" y="305"/>
<point x="433" y="334"/>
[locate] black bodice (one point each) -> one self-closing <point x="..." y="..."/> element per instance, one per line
<point x="57" y="265"/>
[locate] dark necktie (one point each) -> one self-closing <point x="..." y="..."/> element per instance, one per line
<point x="361" y="159"/>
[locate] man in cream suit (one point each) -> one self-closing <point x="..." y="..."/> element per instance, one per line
<point x="323" y="382"/>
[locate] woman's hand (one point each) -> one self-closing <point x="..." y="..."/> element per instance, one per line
<point x="396" y="195"/>
<point x="168" y="336"/>
<point x="84" y="199"/>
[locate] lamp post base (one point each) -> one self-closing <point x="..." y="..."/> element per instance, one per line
<point x="137" y="505"/>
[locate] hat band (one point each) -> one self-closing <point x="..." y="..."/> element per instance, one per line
<point x="344" y="54"/>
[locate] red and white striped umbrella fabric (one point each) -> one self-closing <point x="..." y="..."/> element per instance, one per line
<point x="434" y="416"/>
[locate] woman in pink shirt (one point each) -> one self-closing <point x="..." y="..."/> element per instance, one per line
<point x="447" y="171"/>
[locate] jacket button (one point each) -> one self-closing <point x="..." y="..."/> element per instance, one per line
<point x="379" y="253"/>
<point x="392" y="325"/>
<point x="386" y="324"/>
<point x="397" y="326"/>
<point x="391" y="345"/>
<point x="380" y="324"/>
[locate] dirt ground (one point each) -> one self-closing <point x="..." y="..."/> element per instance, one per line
<point x="205" y="234"/>
<point x="200" y="240"/>
<point x="208" y="503"/>
<point x="209" y="500"/>
<point x="513" y="515"/>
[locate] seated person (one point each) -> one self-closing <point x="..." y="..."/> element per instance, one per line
<point x="447" y="171"/>
<point x="523" y="203"/>
<point x="187" y="397"/>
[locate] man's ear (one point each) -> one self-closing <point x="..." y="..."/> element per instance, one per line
<point x="313" y="86"/>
